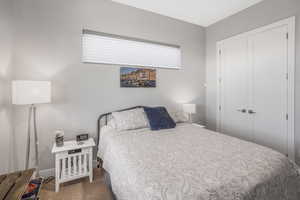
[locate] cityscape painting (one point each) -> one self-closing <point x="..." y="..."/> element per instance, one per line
<point x="137" y="77"/>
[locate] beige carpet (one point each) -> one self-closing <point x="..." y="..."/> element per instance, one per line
<point x="80" y="189"/>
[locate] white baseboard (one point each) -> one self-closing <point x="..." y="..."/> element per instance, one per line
<point x="51" y="171"/>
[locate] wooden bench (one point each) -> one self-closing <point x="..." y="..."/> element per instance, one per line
<point x="13" y="185"/>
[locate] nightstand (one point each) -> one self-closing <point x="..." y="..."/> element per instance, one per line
<point x="73" y="161"/>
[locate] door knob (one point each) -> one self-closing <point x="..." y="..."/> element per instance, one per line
<point x="251" y="112"/>
<point x="242" y="110"/>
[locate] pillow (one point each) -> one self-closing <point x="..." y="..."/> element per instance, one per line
<point x="159" y="118"/>
<point x="111" y="124"/>
<point x="179" y="116"/>
<point x="130" y="119"/>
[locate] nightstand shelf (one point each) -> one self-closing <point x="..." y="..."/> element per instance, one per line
<point x="73" y="161"/>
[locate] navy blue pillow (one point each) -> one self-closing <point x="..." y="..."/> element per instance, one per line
<point x="159" y="118"/>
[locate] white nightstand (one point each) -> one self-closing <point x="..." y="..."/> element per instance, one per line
<point x="73" y="161"/>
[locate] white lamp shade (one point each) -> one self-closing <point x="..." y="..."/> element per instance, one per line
<point x="189" y="108"/>
<point x="31" y="92"/>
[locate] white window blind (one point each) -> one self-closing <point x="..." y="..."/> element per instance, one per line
<point x="109" y="49"/>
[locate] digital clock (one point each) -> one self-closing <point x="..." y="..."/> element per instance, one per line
<point x="82" y="137"/>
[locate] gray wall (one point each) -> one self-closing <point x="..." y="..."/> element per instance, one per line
<point x="256" y="16"/>
<point x="48" y="38"/>
<point x="5" y="75"/>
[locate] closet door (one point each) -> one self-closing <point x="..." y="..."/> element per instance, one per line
<point x="268" y="107"/>
<point x="235" y="88"/>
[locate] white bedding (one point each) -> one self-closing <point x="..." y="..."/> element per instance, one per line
<point x="192" y="163"/>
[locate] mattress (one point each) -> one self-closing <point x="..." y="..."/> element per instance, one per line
<point x="192" y="163"/>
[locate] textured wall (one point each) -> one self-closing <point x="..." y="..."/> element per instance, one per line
<point x="264" y="13"/>
<point x="5" y="75"/>
<point x="48" y="38"/>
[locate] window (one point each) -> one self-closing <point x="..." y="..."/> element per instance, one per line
<point x="111" y="49"/>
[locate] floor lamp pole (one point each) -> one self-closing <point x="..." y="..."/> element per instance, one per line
<point x="32" y="113"/>
<point x="36" y="142"/>
<point x="28" y="138"/>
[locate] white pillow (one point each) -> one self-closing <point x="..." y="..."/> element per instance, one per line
<point x="111" y="124"/>
<point x="130" y="119"/>
<point x="179" y="116"/>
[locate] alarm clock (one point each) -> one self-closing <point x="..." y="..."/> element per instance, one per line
<point x="82" y="137"/>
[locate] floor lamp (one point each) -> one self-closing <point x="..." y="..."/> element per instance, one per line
<point x="31" y="93"/>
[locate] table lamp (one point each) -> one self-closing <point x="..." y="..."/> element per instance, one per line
<point x="31" y="93"/>
<point x="189" y="109"/>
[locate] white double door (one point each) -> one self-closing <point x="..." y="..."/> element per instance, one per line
<point x="253" y="87"/>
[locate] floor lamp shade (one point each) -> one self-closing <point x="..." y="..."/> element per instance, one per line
<point x="31" y="92"/>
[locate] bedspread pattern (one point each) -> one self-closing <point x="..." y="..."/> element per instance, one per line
<point x="191" y="163"/>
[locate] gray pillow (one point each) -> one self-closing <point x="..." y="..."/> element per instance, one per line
<point x="130" y="119"/>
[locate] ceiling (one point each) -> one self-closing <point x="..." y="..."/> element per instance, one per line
<point x="200" y="12"/>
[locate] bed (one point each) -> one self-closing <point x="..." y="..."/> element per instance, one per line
<point x="192" y="163"/>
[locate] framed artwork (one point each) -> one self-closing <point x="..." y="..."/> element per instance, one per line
<point x="137" y="77"/>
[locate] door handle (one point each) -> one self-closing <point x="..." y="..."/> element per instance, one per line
<point x="242" y="110"/>
<point x="251" y="112"/>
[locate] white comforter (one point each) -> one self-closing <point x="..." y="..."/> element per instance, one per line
<point x="192" y="163"/>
